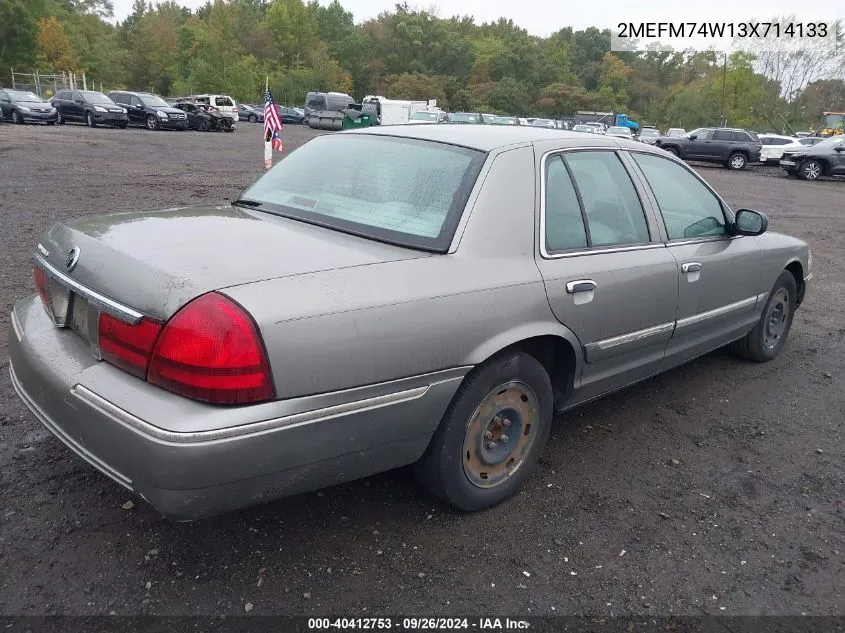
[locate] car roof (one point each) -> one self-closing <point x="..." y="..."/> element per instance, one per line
<point x="487" y="138"/>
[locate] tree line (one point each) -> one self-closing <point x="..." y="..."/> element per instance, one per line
<point x="230" y="46"/>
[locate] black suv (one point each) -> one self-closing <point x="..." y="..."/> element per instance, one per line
<point x="826" y="158"/>
<point x="730" y="147"/>
<point x="91" y="107"/>
<point x="150" y="111"/>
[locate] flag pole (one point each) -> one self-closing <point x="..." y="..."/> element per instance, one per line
<point x="268" y="147"/>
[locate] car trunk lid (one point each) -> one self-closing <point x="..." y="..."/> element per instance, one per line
<point x="155" y="262"/>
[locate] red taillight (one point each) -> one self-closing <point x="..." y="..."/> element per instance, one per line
<point x="41" y="284"/>
<point x="211" y="350"/>
<point x="128" y="346"/>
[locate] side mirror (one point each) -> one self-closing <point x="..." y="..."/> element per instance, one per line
<point x="693" y="137"/>
<point x="840" y="147"/>
<point x="78" y="101"/>
<point x="748" y="222"/>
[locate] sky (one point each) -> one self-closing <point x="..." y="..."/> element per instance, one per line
<point x="543" y="17"/>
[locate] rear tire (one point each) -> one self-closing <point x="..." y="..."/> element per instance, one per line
<point x="122" y="126"/>
<point x="768" y="337"/>
<point x="737" y="161"/>
<point x="205" y="126"/>
<point x="253" y="118"/>
<point x="492" y="435"/>
<point x="60" y="119"/>
<point x="672" y="150"/>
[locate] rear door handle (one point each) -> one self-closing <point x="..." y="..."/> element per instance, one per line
<point x="691" y="267"/>
<point x="580" y="285"/>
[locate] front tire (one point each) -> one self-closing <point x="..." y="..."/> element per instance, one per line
<point x="17" y="118"/>
<point x="737" y="161"/>
<point x="253" y="118"/>
<point x="152" y="122"/>
<point x="89" y="120"/>
<point x="810" y="170"/>
<point x="492" y="435"/>
<point x="768" y="337"/>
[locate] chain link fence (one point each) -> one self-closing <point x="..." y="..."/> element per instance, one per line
<point x="46" y="85"/>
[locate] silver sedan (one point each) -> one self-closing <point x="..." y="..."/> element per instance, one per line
<point x="433" y="300"/>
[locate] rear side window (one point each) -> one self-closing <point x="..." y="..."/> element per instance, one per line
<point x="564" y="222"/>
<point x="610" y="201"/>
<point x="743" y="137"/>
<point x="780" y="141"/>
<point x="223" y="101"/>
<point x="689" y="208"/>
<point x="724" y="135"/>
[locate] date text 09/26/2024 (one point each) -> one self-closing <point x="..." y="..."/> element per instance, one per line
<point x="418" y="624"/>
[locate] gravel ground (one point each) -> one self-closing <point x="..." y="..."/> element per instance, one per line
<point x="715" y="488"/>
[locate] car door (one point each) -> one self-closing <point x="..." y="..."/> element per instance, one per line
<point x="719" y="274"/>
<point x="75" y="107"/>
<point x="136" y="111"/>
<point x="699" y="147"/>
<point x="722" y="145"/>
<point x="837" y="159"/>
<point x="607" y="278"/>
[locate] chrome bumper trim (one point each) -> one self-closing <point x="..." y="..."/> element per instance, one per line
<point x="100" y="465"/>
<point x="289" y="421"/>
<point x="101" y="302"/>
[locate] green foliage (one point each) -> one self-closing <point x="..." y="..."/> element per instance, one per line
<point x="234" y="46"/>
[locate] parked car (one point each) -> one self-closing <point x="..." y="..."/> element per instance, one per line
<point x="150" y="111"/>
<point x="620" y="132"/>
<point x="801" y="143"/>
<point x="21" y="106"/>
<point x="544" y="123"/>
<point x="222" y="103"/>
<point x="649" y="135"/>
<point x="252" y="114"/>
<point x="88" y="106"/>
<point x="676" y="132"/>
<point x="582" y="128"/>
<point x="204" y="117"/>
<point x="598" y="128"/>
<point x="289" y="115"/>
<point x="465" y="117"/>
<point x="505" y="120"/>
<point x="214" y="382"/>
<point x="429" y="116"/>
<point x="773" y="146"/>
<point x="732" y="148"/>
<point x="825" y="158"/>
<point x="487" y="119"/>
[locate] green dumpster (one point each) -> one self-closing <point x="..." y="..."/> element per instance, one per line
<point x="364" y="120"/>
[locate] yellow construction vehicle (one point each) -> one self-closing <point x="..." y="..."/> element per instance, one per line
<point x="833" y="123"/>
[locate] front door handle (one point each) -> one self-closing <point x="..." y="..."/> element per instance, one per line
<point x="581" y="285"/>
<point x="691" y="267"/>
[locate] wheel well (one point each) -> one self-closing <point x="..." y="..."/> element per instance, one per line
<point x="557" y="357"/>
<point x="744" y="152"/>
<point x="797" y="271"/>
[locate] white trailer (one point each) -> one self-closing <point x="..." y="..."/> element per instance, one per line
<point x="398" y="111"/>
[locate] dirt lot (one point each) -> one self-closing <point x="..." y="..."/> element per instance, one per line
<point x="716" y="488"/>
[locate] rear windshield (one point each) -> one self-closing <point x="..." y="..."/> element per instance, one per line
<point x="404" y="191"/>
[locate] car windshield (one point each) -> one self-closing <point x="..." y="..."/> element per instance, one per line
<point x="424" y="116"/>
<point x="154" y="101"/>
<point x="504" y="120"/>
<point x="27" y="97"/>
<point x="97" y="98"/>
<point x="404" y="191"/>
<point x="830" y="142"/>
<point x="649" y="132"/>
<point x="619" y="130"/>
<point x="463" y="117"/>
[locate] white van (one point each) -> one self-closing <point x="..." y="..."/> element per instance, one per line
<point x="224" y="103"/>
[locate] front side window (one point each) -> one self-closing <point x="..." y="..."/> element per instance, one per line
<point x="689" y="208"/>
<point x="398" y="190"/>
<point x="702" y="135"/>
<point x="611" y="205"/>
<point x="564" y="222"/>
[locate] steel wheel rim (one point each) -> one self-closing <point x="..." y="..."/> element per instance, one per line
<point x="738" y="162"/>
<point x="812" y="170"/>
<point x="500" y="434"/>
<point x="776" y="319"/>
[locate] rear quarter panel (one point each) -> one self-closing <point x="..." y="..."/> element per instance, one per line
<point x="367" y="324"/>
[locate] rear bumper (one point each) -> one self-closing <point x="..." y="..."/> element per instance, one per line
<point x="192" y="460"/>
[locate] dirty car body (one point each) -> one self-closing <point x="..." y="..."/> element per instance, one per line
<point x="378" y="304"/>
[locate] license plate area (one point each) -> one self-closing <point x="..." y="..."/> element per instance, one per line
<point x="79" y="319"/>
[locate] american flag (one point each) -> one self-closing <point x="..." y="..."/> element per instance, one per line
<point x="272" y="122"/>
